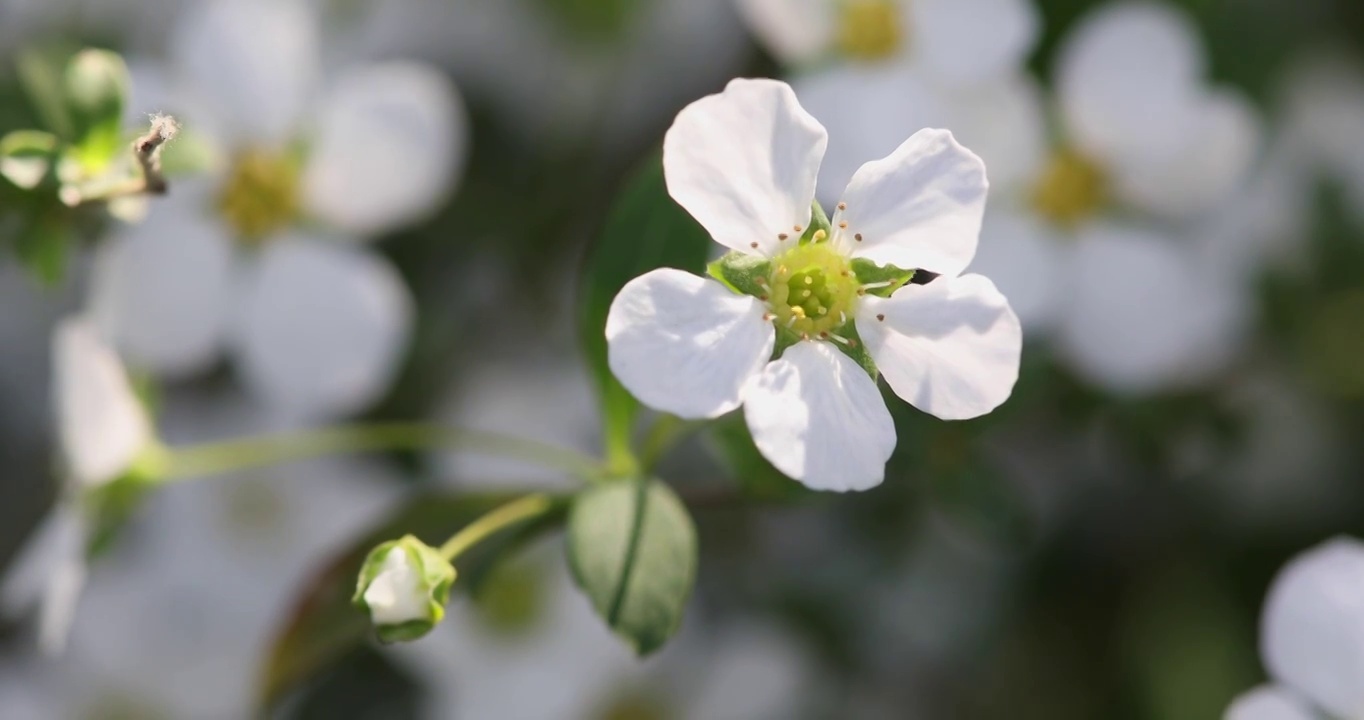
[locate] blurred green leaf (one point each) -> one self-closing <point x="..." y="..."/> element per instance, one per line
<point x="96" y="87"/>
<point x="40" y="72"/>
<point x="323" y="627"/>
<point x="632" y="547"/>
<point x="743" y="273"/>
<point x="645" y="230"/>
<point x="26" y="157"/>
<point x="732" y="443"/>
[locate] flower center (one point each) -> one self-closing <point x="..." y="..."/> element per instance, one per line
<point x="870" y="29"/>
<point x="813" y="290"/>
<point x="261" y="194"/>
<point x="1072" y="188"/>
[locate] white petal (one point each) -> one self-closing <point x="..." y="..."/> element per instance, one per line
<point x="250" y="65"/>
<point x="1142" y="316"/>
<point x="396" y="595"/>
<point x="919" y="207"/>
<point x="322" y="327"/>
<point x="965" y="42"/>
<point x="1128" y="81"/>
<point x="869" y="110"/>
<point x="1312" y="629"/>
<point x="818" y="417"/>
<point x="684" y="344"/>
<point x="101" y="424"/>
<point x="1218" y="154"/>
<point x="743" y="162"/>
<point x="390" y="143"/>
<point x="1268" y="702"/>
<point x="795" y="31"/>
<point x="1005" y="123"/>
<point x="1024" y="257"/>
<point x="161" y="291"/>
<point x="950" y="348"/>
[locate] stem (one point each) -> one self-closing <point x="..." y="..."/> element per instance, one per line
<point x="513" y="512"/>
<point x="215" y="458"/>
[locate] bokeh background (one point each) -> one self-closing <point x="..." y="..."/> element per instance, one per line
<point x="1084" y="552"/>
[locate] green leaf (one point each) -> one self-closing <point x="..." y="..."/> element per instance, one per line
<point x="733" y="444"/>
<point x="645" y="230"/>
<point x="818" y="221"/>
<point x="869" y="272"/>
<point x="40" y="72"/>
<point x="632" y="547"/>
<point x="96" y="86"/>
<point x="26" y="157"/>
<point x="742" y="273"/>
<point x="323" y="627"/>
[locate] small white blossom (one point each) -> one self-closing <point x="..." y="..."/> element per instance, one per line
<point x="1312" y="638"/>
<point x="396" y="595"/>
<point x="744" y="163"/>
<point x="263" y="259"/>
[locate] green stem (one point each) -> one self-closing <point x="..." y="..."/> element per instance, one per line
<point x="251" y="452"/>
<point x="513" y="512"/>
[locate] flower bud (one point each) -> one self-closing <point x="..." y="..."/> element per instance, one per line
<point x="404" y="585"/>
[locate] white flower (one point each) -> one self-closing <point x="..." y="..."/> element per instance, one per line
<point x="103" y="431"/>
<point x="261" y="260"/>
<point x="1312" y="638"/>
<point x="956" y="42"/>
<point x="1098" y="239"/>
<point x="397" y="594"/>
<point x="743" y="163"/>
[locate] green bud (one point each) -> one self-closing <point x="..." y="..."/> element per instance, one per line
<point x="404" y="585"/>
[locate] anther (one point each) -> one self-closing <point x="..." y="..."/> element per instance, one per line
<point x="753" y="245"/>
<point x="881" y="317"/>
<point x="823" y="334"/>
<point x="782" y="236"/>
<point x="797" y="228"/>
<point x="843" y="225"/>
<point x="767" y="317"/>
<point x="805" y="336"/>
<point x="843" y="206"/>
<point x="858" y="237"/>
<point x="762" y="298"/>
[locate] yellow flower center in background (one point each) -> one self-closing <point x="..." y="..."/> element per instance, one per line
<point x="261" y="195"/>
<point x="870" y="29"/>
<point x="1072" y="188"/>
<point x="813" y="289"/>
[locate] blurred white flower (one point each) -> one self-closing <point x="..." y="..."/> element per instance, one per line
<point x="743" y="163"/>
<point x="1312" y="638"/>
<point x="956" y="43"/>
<point x="261" y="259"/>
<point x="1097" y="238"/>
<point x="103" y="431"/>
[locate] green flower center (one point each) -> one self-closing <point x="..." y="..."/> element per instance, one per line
<point x="870" y="29"/>
<point x="261" y="194"/>
<point x="813" y="290"/>
<point x="1072" y="188"/>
